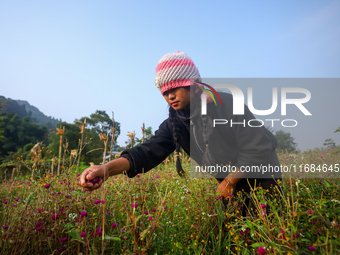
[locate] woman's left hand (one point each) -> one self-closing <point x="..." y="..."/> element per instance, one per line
<point x="225" y="189"/>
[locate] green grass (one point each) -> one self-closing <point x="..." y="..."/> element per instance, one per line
<point x="173" y="215"/>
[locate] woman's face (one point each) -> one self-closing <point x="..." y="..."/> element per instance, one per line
<point x="178" y="98"/>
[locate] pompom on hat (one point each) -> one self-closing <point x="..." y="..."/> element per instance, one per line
<point x="175" y="70"/>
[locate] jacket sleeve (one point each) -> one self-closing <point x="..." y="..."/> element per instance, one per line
<point x="255" y="144"/>
<point x="152" y="152"/>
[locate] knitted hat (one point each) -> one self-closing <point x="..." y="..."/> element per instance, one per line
<point x="175" y="70"/>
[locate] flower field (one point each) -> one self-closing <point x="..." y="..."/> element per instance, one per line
<point x="161" y="213"/>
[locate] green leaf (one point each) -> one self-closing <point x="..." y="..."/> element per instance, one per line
<point x="327" y="184"/>
<point x="138" y="218"/>
<point x="114" y="238"/>
<point x="293" y="228"/>
<point x="256" y="245"/>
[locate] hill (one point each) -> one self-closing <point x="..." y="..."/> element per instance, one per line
<point x="37" y="116"/>
<point x="23" y="109"/>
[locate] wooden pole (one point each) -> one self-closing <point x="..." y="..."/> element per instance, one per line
<point x="13" y="171"/>
<point x="60" y="147"/>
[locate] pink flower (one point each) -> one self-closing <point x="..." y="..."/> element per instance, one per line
<point x="63" y="240"/>
<point x="5" y="202"/>
<point x="62" y="248"/>
<point x="150" y="218"/>
<point x="38" y="228"/>
<point x="47" y="186"/>
<point x="261" y="250"/>
<point x="165" y="207"/>
<point x="38" y="224"/>
<point x="55" y="216"/>
<point x="83" y="214"/>
<point x="98" y="232"/>
<point x="83" y="234"/>
<point x="114" y="225"/>
<point x="103" y="201"/>
<point x="67" y="196"/>
<point x="134" y="205"/>
<point x="5" y="227"/>
<point x="263" y="206"/>
<point x="97" y="201"/>
<point x="146" y="212"/>
<point x="311" y="248"/>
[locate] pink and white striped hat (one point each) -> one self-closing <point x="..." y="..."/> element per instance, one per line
<point x="175" y="70"/>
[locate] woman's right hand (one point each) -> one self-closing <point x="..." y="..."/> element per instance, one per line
<point x="91" y="173"/>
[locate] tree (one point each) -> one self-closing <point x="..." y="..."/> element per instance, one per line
<point x="285" y="141"/>
<point x="100" y="122"/>
<point x="329" y="143"/>
<point x="16" y="133"/>
<point x="147" y="134"/>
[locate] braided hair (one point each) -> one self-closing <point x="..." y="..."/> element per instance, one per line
<point x="207" y="157"/>
<point x="176" y="137"/>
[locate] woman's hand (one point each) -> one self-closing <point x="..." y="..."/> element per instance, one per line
<point x="90" y="174"/>
<point x="226" y="189"/>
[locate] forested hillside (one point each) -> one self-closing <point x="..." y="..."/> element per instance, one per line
<point x="23" y="109"/>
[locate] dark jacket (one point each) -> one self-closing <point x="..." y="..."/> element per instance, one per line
<point x="237" y="145"/>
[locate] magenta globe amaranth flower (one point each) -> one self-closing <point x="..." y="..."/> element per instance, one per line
<point x="5" y="227"/>
<point x="263" y="206"/>
<point x="55" y="216"/>
<point x="83" y="234"/>
<point x="165" y="207"/>
<point x="83" y="214"/>
<point x="98" y="232"/>
<point x="94" y="181"/>
<point x="150" y="218"/>
<point x="62" y="248"/>
<point x="97" y="202"/>
<point x="47" y="186"/>
<point x="261" y="250"/>
<point x="134" y="205"/>
<point x="38" y="224"/>
<point x="63" y="240"/>
<point x="114" y="225"/>
<point x="38" y="229"/>
<point x="311" y="248"/>
<point x="67" y="196"/>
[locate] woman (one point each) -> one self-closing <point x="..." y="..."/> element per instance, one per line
<point x="237" y="145"/>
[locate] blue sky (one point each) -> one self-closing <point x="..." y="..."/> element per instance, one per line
<point x="70" y="58"/>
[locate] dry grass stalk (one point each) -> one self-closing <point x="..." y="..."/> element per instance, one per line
<point x="132" y="137"/>
<point x="104" y="138"/>
<point x="35" y="155"/>
<point x="65" y="149"/>
<point x="52" y="164"/>
<point x="143" y="131"/>
<point x="61" y="132"/>
<point x="113" y="136"/>
<point x="82" y="128"/>
<point x="72" y="155"/>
